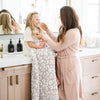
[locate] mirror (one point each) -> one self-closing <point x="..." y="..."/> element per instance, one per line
<point x="19" y="10"/>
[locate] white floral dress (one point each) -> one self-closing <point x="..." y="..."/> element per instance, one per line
<point x="43" y="80"/>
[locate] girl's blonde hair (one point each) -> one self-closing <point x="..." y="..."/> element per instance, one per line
<point x="5" y="21"/>
<point x="29" y="22"/>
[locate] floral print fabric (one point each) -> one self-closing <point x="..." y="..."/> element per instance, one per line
<point x="43" y="78"/>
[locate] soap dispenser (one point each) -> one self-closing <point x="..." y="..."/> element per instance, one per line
<point x="19" y="46"/>
<point x="10" y="47"/>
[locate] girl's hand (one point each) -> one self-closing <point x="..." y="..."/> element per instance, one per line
<point x="44" y="27"/>
<point x="42" y="44"/>
<point x="39" y="35"/>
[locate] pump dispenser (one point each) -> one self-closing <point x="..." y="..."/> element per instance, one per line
<point x="19" y="46"/>
<point x="10" y="47"/>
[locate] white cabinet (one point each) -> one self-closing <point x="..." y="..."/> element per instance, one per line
<point x="91" y="77"/>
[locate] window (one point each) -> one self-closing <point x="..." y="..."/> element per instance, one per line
<point x="89" y="14"/>
<point x="94" y="16"/>
<point x="49" y="12"/>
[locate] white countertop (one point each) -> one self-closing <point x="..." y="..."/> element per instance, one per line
<point x="14" y="60"/>
<point x="87" y="52"/>
<point x="20" y="59"/>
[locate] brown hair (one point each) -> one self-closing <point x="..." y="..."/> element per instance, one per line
<point x="5" y="21"/>
<point x="69" y="20"/>
<point x="29" y="22"/>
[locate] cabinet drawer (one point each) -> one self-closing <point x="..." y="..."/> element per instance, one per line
<point x="90" y="65"/>
<point x="22" y="69"/>
<point x="92" y="95"/>
<point x="91" y="82"/>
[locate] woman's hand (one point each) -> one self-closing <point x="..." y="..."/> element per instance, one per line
<point x="44" y="27"/>
<point x="58" y="82"/>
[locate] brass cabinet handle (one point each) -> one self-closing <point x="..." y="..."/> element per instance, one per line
<point x="17" y="79"/>
<point x="94" y="93"/>
<point x="11" y="80"/>
<point x="94" y="60"/>
<point x="2" y="69"/>
<point x="94" y="77"/>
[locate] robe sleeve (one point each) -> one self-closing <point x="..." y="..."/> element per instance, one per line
<point x="72" y="36"/>
<point x="52" y="36"/>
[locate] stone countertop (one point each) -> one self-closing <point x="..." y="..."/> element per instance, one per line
<point x="88" y="52"/>
<point x="14" y="60"/>
<point x="19" y="58"/>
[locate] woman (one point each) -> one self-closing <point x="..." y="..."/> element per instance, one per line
<point x="16" y="26"/>
<point x="66" y="45"/>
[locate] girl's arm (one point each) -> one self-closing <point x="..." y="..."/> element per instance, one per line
<point x="32" y="45"/>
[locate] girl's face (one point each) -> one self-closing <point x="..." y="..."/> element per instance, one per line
<point x="36" y="20"/>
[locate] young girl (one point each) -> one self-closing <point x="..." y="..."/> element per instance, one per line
<point x="43" y="78"/>
<point x="66" y="45"/>
<point x="17" y="28"/>
<point x="5" y="24"/>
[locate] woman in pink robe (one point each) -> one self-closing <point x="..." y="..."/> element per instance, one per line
<point x="67" y="45"/>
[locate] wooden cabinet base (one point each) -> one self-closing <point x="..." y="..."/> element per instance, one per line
<point x="15" y="83"/>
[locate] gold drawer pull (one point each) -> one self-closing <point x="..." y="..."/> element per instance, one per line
<point x="11" y="80"/>
<point x="94" y="77"/>
<point x="2" y="69"/>
<point x="94" y="60"/>
<point x="94" y="93"/>
<point x="17" y="79"/>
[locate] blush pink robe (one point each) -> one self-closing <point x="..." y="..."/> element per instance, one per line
<point x="68" y="64"/>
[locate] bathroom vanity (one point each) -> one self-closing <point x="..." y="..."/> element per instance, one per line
<point x="15" y="82"/>
<point x="15" y="76"/>
<point x="91" y="75"/>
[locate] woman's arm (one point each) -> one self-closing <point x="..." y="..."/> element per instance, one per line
<point x="71" y="37"/>
<point x="51" y="35"/>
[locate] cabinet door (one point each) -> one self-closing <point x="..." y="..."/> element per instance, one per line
<point x="91" y="82"/>
<point x="23" y="82"/>
<point x="3" y="85"/>
<point x="90" y="65"/>
<point x="10" y="83"/>
<point x="92" y="95"/>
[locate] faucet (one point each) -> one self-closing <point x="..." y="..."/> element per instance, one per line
<point x="1" y="50"/>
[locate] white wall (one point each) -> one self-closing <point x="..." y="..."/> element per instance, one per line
<point x="5" y="39"/>
<point x="1" y="4"/>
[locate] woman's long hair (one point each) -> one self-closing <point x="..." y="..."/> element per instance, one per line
<point x="69" y="20"/>
<point x="29" y="22"/>
<point x="5" y="21"/>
